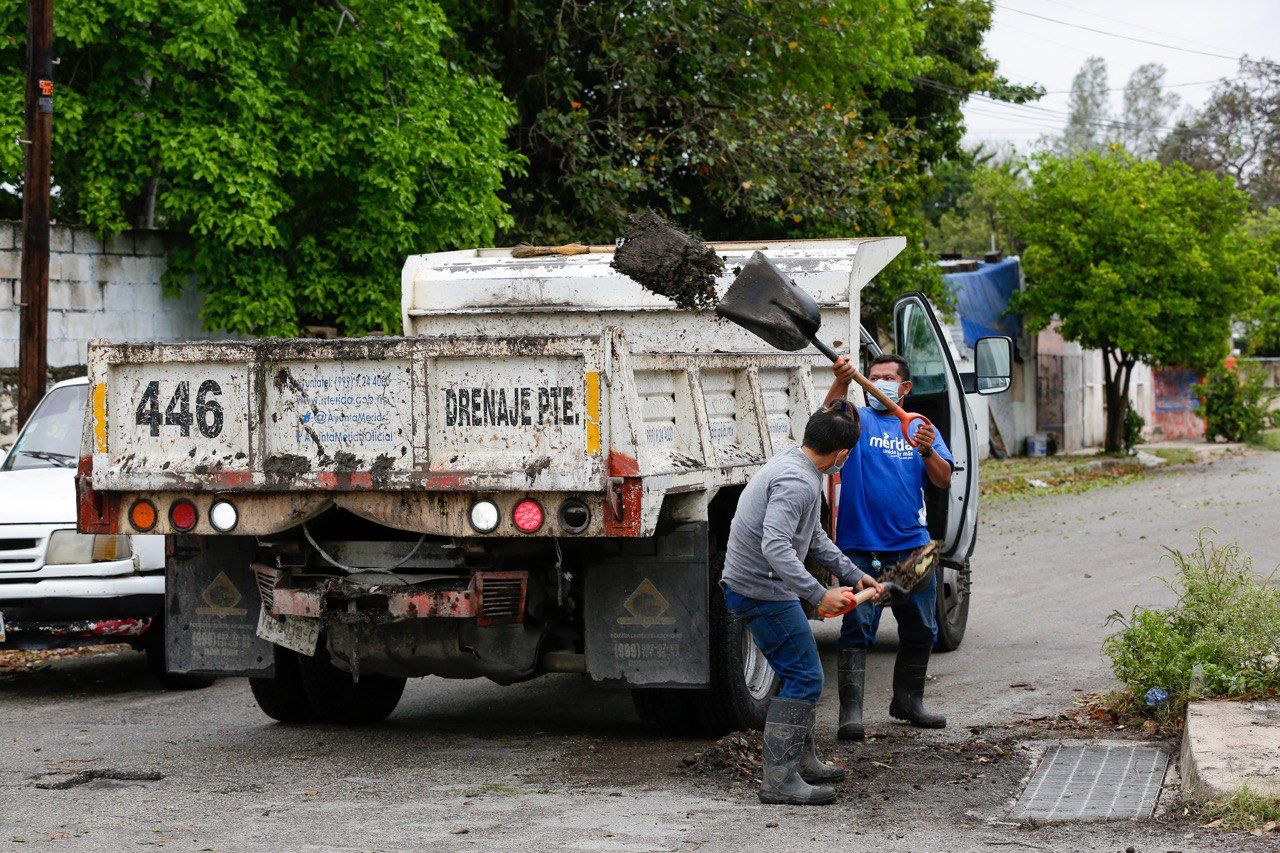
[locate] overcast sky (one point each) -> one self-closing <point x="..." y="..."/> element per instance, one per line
<point x="1031" y="49"/>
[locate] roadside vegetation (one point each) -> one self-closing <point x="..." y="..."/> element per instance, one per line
<point x="1245" y="810"/>
<point x="1268" y="439"/>
<point x="1056" y="475"/>
<point x="1219" y="640"/>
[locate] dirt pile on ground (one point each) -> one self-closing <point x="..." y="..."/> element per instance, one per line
<point x="666" y="261"/>
<point x="736" y="756"/>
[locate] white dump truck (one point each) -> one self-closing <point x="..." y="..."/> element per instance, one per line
<point x="538" y="477"/>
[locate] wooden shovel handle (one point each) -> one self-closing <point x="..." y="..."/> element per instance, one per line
<point x="894" y="409"/>
<point x="853" y="599"/>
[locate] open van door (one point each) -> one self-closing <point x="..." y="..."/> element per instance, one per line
<point x="938" y="392"/>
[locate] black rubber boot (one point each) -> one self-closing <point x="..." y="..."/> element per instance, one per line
<point x="787" y="730"/>
<point x="815" y="771"/>
<point x="909" y="672"/>
<point x="852" y="671"/>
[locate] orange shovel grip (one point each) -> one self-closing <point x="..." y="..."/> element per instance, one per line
<point x="853" y="599"/>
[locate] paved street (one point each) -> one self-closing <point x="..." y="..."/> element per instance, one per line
<point x="555" y="763"/>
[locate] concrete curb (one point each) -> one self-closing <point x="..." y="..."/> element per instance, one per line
<point x="1227" y="746"/>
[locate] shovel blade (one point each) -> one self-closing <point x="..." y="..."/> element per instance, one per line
<point x="769" y="305"/>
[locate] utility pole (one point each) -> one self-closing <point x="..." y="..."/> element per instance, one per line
<point x="33" y="363"/>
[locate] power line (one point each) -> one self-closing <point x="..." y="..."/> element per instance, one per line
<point x="1149" y="88"/>
<point x="1135" y="26"/>
<point x="1126" y="38"/>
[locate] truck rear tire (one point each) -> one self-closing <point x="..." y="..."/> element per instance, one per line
<point x="336" y="698"/>
<point x="283" y="697"/>
<point x="953" y="607"/>
<point x="742" y="682"/>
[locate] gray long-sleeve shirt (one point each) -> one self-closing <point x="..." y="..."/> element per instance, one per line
<point x="777" y="524"/>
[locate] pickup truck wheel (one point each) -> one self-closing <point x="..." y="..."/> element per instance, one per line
<point x="953" y="608"/>
<point x="282" y="697"/>
<point x="153" y="646"/>
<point x="335" y="698"/>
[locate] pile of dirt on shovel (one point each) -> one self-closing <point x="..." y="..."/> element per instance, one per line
<point x="737" y="755"/>
<point x="666" y="261"/>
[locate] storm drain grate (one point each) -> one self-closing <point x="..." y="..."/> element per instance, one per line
<point x="1094" y="783"/>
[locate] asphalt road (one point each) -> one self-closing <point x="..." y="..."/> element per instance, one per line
<point x="558" y="764"/>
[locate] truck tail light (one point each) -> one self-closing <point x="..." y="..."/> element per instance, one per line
<point x="575" y="515"/>
<point x="527" y="515"/>
<point x="183" y="515"/>
<point x="223" y="516"/>
<point x="484" y="516"/>
<point x="142" y="515"/>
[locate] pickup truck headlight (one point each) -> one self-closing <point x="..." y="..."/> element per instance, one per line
<point x="67" y="547"/>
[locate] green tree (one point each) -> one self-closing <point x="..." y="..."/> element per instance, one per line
<point x="1262" y="242"/>
<point x="302" y="149"/>
<point x="740" y="119"/>
<point x="1237" y="133"/>
<point x="980" y="220"/>
<point x="1142" y="261"/>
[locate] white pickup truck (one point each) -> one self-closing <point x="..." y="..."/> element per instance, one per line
<point x="539" y="477"/>
<point x="60" y="588"/>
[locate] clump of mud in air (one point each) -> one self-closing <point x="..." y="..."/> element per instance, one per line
<point x="737" y="755"/>
<point x="666" y="261"/>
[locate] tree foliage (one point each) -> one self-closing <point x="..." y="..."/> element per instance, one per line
<point x="1237" y="133"/>
<point x="740" y="119"/>
<point x="303" y="149"/>
<point x="1143" y="119"/>
<point x="1142" y="261"/>
<point x="980" y="217"/>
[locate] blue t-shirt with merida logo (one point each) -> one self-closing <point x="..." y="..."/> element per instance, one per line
<point x="882" y="488"/>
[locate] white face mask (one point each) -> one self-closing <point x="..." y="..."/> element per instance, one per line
<point x="887" y="387"/>
<point x="838" y="464"/>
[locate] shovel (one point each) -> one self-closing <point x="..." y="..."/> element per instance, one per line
<point x="769" y="305"/>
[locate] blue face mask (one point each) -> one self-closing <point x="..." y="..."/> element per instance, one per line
<point x="887" y="387"/>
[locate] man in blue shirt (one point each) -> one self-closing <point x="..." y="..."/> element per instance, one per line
<point x="880" y="522"/>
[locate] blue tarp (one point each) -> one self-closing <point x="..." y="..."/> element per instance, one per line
<point x="981" y="299"/>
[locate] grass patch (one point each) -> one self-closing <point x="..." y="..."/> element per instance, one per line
<point x="1268" y="439"/>
<point x="1220" y="639"/>
<point x="1177" y="456"/>
<point x="1246" y="810"/>
<point x="501" y="789"/>
<point x="1054" y="475"/>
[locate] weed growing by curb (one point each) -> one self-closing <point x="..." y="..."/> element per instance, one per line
<point x="1245" y="810"/>
<point x="1220" y="639"/>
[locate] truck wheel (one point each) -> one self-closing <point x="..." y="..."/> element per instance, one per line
<point x="953" y="607"/>
<point x="153" y="646"/>
<point x="335" y="698"/>
<point x="742" y="682"/>
<point x="282" y="697"/>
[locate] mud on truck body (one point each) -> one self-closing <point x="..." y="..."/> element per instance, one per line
<point x="539" y="477"/>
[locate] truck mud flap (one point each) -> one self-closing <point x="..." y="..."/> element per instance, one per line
<point x="646" y="614"/>
<point x="211" y="608"/>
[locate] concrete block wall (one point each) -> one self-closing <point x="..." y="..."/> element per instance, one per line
<point x="97" y="289"/>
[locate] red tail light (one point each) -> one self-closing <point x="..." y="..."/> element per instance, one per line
<point x="527" y="515"/>
<point x="183" y="515"/>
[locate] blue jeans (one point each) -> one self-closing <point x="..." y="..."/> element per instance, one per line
<point x="782" y="633"/>
<point x="917" y="619"/>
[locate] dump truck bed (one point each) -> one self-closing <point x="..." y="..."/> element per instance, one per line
<point x="544" y="375"/>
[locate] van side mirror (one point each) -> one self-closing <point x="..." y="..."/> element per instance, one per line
<point x="993" y="360"/>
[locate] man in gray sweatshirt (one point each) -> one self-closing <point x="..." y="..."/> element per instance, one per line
<point x="776" y="525"/>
